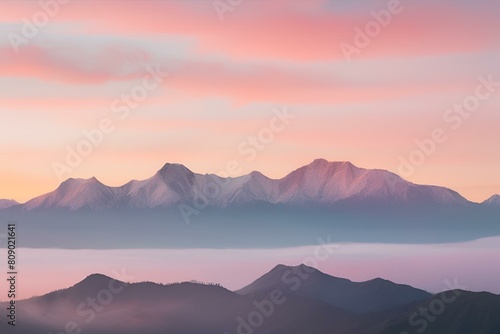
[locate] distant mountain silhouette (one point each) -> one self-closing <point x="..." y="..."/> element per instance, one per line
<point x="470" y="313"/>
<point x="154" y="308"/>
<point x="371" y="296"/>
<point x="102" y="305"/>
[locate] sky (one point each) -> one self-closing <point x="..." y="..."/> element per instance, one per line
<point x="407" y="86"/>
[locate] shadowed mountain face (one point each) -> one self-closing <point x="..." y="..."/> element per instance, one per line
<point x="320" y="183"/>
<point x="7" y="203"/>
<point x="493" y="200"/>
<point x="452" y="312"/>
<point x="371" y="296"/>
<point x="101" y="305"/>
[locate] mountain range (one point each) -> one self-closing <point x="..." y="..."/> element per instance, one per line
<point x="376" y="295"/>
<point x="320" y="183"/>
<point x="7" y="203"/>
<point x="183" y="209"/>
<point x="287" y="300"/>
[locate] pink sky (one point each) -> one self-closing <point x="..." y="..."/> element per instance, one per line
<point x="227" y="76"/>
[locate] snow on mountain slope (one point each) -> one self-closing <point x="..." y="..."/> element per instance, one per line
<point x="324" y="182"/>
<point x="319" y="183"/>
<point x="167" y="187"/>
<point x="244" y="189"/>
<point x="383" y="185"/>
<point x="75" y="194"/>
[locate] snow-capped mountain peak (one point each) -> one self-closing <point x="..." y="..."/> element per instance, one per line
<point x="75" y="194"/>
<point x="319" y="183"/>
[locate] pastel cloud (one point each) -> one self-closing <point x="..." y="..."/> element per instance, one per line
<point x="35" y="61"/>
<point x="302" y="31"/>
<point x="227" y="76"/>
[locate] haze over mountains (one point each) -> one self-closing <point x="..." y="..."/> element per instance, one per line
<point x="312" y="302"/>
<point x="182" y="209"/>
<point x="320" y="183"/>
<point x="364" y="297"/>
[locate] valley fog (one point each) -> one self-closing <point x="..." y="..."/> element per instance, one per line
<point x="431" y="267"/>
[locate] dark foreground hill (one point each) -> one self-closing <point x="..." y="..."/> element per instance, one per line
<point x="101" y="305"/>
<point x="364" y="297"/>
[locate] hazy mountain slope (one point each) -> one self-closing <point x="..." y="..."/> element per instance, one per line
<point x="178" y="308"/>
<point x="7" y="203"/>
<point x="364" y="297"/>
<point x="132" y="308"/>
<point x="493" y="200"/>
<point x="477" y="313"/>
<point x="101" y="305"/>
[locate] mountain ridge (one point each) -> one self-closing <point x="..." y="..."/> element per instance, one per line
<point x="320" y="183"/>
<point x="374" y="295"/>
<point x="7" y="203"/>
<point x="493" y="200"/>
<point x="197" y="308"/>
